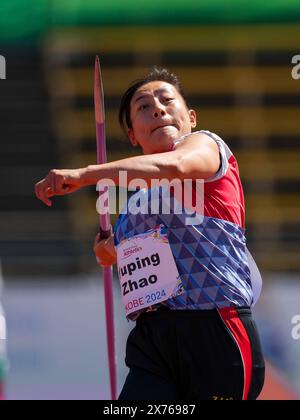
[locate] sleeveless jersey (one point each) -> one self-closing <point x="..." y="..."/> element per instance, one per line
<point x="214" y="264"/>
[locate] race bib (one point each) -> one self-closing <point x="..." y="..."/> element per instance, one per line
<point x="147" y="271"/>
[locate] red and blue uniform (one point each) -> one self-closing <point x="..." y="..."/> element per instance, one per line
<point x="211" y="257"/>
<point x="220" y="283"/>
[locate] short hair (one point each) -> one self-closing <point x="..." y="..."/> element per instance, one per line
<point x="156" y="73"/>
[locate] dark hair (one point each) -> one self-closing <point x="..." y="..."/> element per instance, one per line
<point x="157" y="73"/>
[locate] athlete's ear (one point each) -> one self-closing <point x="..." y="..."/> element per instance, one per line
<point x="131" y="137"/>
<point x="193" y="118"/>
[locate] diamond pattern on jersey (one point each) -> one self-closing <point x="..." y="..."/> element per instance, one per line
<point x="210" y="257"/>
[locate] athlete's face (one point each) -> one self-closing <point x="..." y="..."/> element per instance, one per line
<point x="159" y="116"/>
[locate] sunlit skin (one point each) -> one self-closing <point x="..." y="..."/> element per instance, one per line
<point x="159" y="116"/>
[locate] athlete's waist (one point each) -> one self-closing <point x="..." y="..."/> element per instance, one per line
<point x="166" y="311"/>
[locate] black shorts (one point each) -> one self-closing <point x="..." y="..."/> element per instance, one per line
<point x="194" y="354"/>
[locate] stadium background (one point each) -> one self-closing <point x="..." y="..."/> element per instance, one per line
<point x="235" y="63"/>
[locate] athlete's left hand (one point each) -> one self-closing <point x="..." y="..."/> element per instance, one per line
<point x="105" y="251"/>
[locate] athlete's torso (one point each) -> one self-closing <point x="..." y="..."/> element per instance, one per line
<point x="210" y="255"/>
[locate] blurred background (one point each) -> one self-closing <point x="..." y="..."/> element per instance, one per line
<point x="235" y="63"/>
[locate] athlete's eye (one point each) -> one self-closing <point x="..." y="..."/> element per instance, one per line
<point x="142" y="107"/>
<point x="168" y="99"/>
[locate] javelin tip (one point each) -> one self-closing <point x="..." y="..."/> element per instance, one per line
<point x="98" y="93"/>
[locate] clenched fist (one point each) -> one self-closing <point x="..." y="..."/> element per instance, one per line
<point x="105" y="251"/>
<point x="59" y="182"/>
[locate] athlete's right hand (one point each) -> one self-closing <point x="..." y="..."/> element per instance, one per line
<point x="59" y="182"/>
<point x="105" y="251"/>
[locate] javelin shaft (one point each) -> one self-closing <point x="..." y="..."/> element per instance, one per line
<point x="105" y="228"/>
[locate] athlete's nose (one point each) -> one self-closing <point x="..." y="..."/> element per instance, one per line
<point x="158" y="111"/>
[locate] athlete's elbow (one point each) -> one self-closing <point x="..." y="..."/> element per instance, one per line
<point x="170" y="169"/>
<point x="180" y="168"/>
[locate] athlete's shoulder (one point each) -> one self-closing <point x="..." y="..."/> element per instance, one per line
<point x="196" y="141"/>
<point x="194" y="135"/>
<point x="204" y="137"/>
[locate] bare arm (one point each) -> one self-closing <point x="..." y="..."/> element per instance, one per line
<point x="146" y="167"/>
<point x="196" y="157"/>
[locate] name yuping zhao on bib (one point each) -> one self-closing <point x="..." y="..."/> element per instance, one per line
<point x="147" y="270"/>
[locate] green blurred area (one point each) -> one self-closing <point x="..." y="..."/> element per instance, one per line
<point x="30" y="19"/>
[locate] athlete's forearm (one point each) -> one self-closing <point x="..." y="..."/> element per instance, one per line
<point x="146" y="167"/>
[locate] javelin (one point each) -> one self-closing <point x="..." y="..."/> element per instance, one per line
<point x="105" y="229"/>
